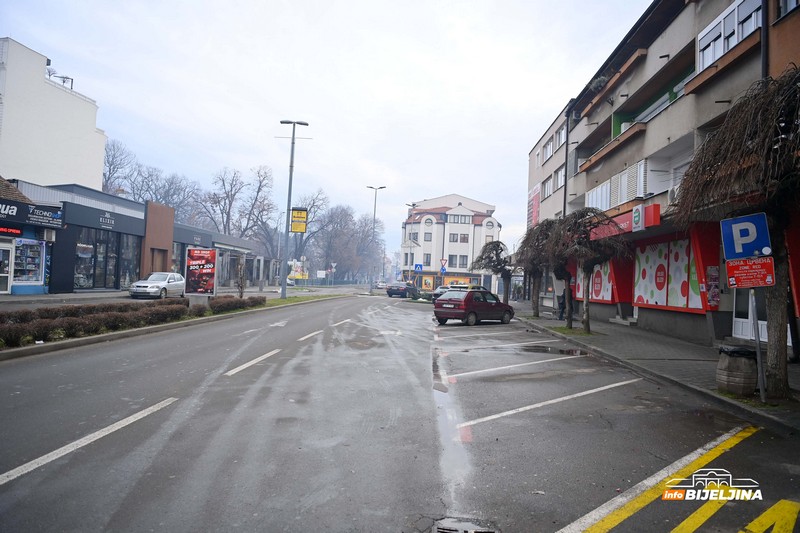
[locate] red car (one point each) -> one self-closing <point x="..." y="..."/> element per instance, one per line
<point x="470" y="307"/>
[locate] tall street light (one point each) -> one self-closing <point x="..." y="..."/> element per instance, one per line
<point x="374" y="210"/>
<point x="285" y="258"/>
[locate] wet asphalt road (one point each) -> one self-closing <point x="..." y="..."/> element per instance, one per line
<point x="358" y="414"/>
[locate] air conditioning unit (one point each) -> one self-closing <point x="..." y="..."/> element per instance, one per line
<point x="49" y="235"/>
<point x="672" y="195"/>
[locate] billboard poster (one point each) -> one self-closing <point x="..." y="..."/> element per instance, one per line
<point x="201" y="271"/>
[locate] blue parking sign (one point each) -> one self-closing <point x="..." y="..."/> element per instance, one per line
<point x="746" y="236"/>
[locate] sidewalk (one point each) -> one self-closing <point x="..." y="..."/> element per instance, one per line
<point x="683" y="363"/>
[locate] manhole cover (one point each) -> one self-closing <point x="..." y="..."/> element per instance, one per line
<point x="461" y="525"/>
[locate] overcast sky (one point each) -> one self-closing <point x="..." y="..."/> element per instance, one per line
<point x="426" y="98"/>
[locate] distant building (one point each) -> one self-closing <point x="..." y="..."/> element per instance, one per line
<point x="441" y="238"/>
<point x="48" y="131"/>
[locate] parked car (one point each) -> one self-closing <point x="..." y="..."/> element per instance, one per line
<point x="471" y="307"/>
<point x="380" y="285"/>
<point x="403" y="289"/>
<point x="441" y="289"/>
<point x="159" y="285"/>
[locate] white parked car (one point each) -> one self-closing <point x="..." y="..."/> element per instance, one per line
<point x="159" y="285"/>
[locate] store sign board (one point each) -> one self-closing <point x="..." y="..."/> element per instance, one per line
<point x="640" y="218"/>
<point x="750" y="273"/>
<point x="29" y="214"/>
<point x="201" y="271"/>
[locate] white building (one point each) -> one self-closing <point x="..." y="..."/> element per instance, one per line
<point x="441" y="238"/>
<point x="48" y="132"/>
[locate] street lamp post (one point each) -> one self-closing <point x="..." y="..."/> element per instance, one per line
<point x="374" y="211"/>
<point x="285" y="258"/>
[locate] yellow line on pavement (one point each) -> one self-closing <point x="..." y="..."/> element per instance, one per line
<point x="699" y="517"/>
<point x="618" y="516"/>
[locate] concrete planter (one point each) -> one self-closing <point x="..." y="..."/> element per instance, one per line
<point x="737" y="375"/>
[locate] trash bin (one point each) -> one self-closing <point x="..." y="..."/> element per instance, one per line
<point x="737" y="371"/>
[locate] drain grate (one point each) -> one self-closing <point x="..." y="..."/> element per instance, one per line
<point x="461" y="525"/>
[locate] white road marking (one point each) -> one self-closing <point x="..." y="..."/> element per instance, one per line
<point x="250" y="363"/>
<point x="342" y="322"/>
<point x="666" y="473"/>
<point x="513" y="366"/>
<point x="245" y="332"/>
<point x="398" y="333"/>
<point x="493" y="346"/>
<point x="543" y="404"/>
<point x="309" y="335"/>
<point x="80" y="443"/>
<point x="278" y="324"/>
<point x="476" y="335"/>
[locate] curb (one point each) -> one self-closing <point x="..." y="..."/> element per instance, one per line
<point x="732" y="405"/>
<point x="38" y="349"/>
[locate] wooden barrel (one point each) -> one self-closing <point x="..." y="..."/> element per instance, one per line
<point x="737" y="375"/>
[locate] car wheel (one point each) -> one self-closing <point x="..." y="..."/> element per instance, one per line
<point x="471" y="319"/>
<point x="442" y="321"/>
<point x="506" y="317"/>
<point x="163" y="294"/>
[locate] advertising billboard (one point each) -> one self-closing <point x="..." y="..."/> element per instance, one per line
<point x="201" y="271"/>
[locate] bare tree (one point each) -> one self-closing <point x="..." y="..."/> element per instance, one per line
<point x="118" y="165"/>
<point x="494" y="256"/>
<point x="315" y="205"/>
<point x="532" y="257"/>
<point x="236" y="206"/>
<point x="335" y="242"/>
<point x="589" y="237"/>
<point x="752" y="164"/>
<point x="179" y="193"/>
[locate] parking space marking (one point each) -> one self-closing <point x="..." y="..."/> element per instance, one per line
<point x="475" y="335"/>
<point x="310" y="335"/>
<point x="80" y="443"/>
<point x="462" y="374"/>
<point x="614" y="512"/>
<point x="251" y="363"/>
<point x="545" y="403"/>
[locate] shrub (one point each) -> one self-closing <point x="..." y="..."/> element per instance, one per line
<point x="183" y="301"/>
<point x="255" y="301"/>
<point x="113" y="321"/>
<point x="71" y="326"/>
<point x="198" y="310"/>
<point x="12" y="334"/>
<point x="159" y="314"/>
<point x="23" y="316"/>
<point x="221" y="305"/>
<point x="39" y="329"/>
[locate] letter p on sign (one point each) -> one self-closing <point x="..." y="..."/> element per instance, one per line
<point x="743" y="233"/>
<point x="746" y="236"/>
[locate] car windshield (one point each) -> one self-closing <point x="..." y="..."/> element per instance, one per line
<point x="453" y="295"/>
<point x="157" y="277"/>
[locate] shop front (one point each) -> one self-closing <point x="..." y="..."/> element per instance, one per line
<point x="26" y="235"/>
<point x="97" y="250"/>
<point x="185" y="237"/>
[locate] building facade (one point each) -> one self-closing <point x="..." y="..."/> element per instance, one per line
<point x="48" y="131"/>
<point x="633" y="131"/>
<point x="441" y="238"/>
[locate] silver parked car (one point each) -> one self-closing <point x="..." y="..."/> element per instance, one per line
<point x="159" y="285"/>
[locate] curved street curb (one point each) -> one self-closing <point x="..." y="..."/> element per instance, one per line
<point x="732" y="405"/>
<point x="37" y="349"/>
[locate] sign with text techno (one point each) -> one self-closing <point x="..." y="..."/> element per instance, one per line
<point x="201" y="271"/>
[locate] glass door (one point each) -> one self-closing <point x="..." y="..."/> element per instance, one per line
<point x="5" y="270"/>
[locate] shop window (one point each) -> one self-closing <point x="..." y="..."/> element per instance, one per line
<point x="28" y="261"/>
<point x="130" y="251"/>
<point x="84" y="259"/>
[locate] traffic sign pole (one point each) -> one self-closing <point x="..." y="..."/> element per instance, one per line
<point x="759" y="363"/>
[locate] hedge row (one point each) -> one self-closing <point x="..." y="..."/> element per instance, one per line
<point x="46" y="324"/>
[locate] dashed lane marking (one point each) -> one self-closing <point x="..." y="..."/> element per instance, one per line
<point x="496" y="369"/>
<point x="251" y="363"/>
<point x="80" y="443"/>
<point x="342" y="322"/>
<point x="310" y="335"/>
<point x="543" y="404"/>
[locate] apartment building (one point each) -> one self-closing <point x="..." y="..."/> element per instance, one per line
<point x="48" y="131"/>
<point x="441" y="238"/>
<point x="632" y="134"/>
